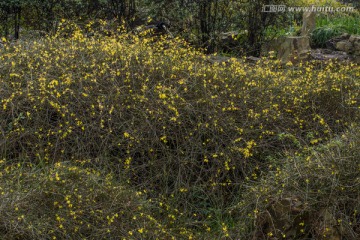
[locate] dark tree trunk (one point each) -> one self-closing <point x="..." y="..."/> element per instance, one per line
<point x="6" y="25"/>
<point x="17" y="18"/>
<point x="132" y="8"/>
<point x="257" y="22"/>
<point x="207" y="16"/>
<point x="49" y="17"/>
<point x="123" y="9"/>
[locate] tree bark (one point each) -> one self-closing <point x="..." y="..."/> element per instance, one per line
<point x="17" y="19"/>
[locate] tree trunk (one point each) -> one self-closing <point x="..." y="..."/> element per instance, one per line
<point x="208" y="15"/>
<point x="6" y="25"/>
<point x="17" y="18"/>
<point x="257" y="22"/>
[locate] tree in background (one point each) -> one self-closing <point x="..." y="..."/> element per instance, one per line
<point x="205" y="20"/>
<point x="123" y="10"/>
<point x="201" y="22"/>
<point x="11" y="15"/>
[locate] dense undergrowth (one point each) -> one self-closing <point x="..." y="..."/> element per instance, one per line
<point x="312" y="195"/>
<point x="143" y="138"/>
<point x="71" y="200"/>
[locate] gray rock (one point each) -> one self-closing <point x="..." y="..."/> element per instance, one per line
<point x="294" y="48"/>
<point x="253" y="59"/>
<point x="309" y="23"/>
<point x="356" y="44"/>
<point x="331" y="44"/>
<point x="218" y="59"/>
<point x="228" y="41"/>
<point x="326" y="54"/>
<point x="354" y="39"/>
<point x="344" y="46"/>
<point x="356" y="59"/>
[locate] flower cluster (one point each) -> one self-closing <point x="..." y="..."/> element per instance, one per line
<point x="162" y="116"/>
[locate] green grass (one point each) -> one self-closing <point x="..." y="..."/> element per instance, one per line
<point x="349" y="22"/>
<point x="329" y="26"/>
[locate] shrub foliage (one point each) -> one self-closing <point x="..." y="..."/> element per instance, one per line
<point x="162" y="116"/>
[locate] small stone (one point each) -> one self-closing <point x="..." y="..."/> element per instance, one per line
<point x="344" y="46"/>
<point x="354" y="39"/>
